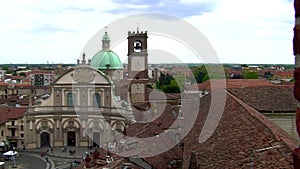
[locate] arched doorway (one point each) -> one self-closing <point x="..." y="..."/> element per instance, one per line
<point x="96" y="139"/>
<point x="45" y="139"/>
<point x="71" y="138"/>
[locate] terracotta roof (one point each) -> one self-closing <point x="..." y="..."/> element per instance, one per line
<point x="244" y="138"/>
<point x="151" y="129"/>
<point x="4" y="84"/>
<point x="42" y="72"/>
<point x="285" y="73"/>
<point x="235" y="72"/>
<point x="268" y="98"/>
<point x="9" y="113"/>
<point x="233" y="83"/>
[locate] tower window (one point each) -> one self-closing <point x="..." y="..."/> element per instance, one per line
<point x="137" y="46"/>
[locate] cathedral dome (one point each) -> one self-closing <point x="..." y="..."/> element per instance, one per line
<point x="106" y="58"/>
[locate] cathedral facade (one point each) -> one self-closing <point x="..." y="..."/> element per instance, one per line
<point x="83" y="109"/>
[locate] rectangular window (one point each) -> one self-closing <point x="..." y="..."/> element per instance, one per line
<point x="13" y="132"/>
<point x="70" y="99"/>
<point x="96" y="100"/>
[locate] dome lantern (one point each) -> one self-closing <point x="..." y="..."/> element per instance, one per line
<point x="106" y="59"/>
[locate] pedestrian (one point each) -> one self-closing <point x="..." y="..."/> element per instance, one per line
<point x="51" y="150"/>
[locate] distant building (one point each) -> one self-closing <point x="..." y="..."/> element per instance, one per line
<point x="12" y="126"/>
<point x="18" y="94"/>
<point x="2" y="75"/>
<point x="286" y="75"/>
<point x="42" y="78"/>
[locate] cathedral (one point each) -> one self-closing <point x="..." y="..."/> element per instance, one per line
<point x="84" y="108"/>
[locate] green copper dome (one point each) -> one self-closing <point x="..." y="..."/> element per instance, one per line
<point x="106" y="59"/>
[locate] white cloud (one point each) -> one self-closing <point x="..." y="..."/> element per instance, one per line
<point x="249" y="31"/>
<point x="257" y="31"/>
<point x="37" y="31"/>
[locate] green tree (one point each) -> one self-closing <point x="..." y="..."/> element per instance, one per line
<point x="199" y="72"/>
<point x="168" y="84"/>
<point x="251" y="75"/>
<point x="22" y="74"/>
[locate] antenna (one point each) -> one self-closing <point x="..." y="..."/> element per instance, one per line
<point x="137" y="27"/>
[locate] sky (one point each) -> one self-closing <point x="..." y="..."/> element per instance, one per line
<point x="55" y="31"/>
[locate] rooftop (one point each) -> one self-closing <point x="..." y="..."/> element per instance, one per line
<point x="267" y="98"/>
<point x="235" y="83"/>
<point x="241" y="132"/>
<point x="9" y="113"/>
<point x="243" y="138"/>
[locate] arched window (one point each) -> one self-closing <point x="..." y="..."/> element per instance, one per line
<point x="137" y="46"/>
<point x="70" y="99"/>
<point x="96" y="100"/>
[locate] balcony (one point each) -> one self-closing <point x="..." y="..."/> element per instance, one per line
<point x="77" y="109"/>
<point x="12" y="137"/>
<point x="12" y="127"/>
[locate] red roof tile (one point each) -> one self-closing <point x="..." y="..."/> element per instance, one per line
<point x="232" y="83"/>
<point x="240" y="132"/>
<point x="243" y="138"/>
<point x="9" y="113"/>
<point x="268" y="98"/>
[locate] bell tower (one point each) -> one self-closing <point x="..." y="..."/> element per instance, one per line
<point x="138" y="66"/>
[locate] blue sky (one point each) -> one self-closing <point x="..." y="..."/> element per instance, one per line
<point x="37" y="31"/>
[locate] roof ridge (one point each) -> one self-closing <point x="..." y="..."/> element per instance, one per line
<point x="278" y="133"/>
